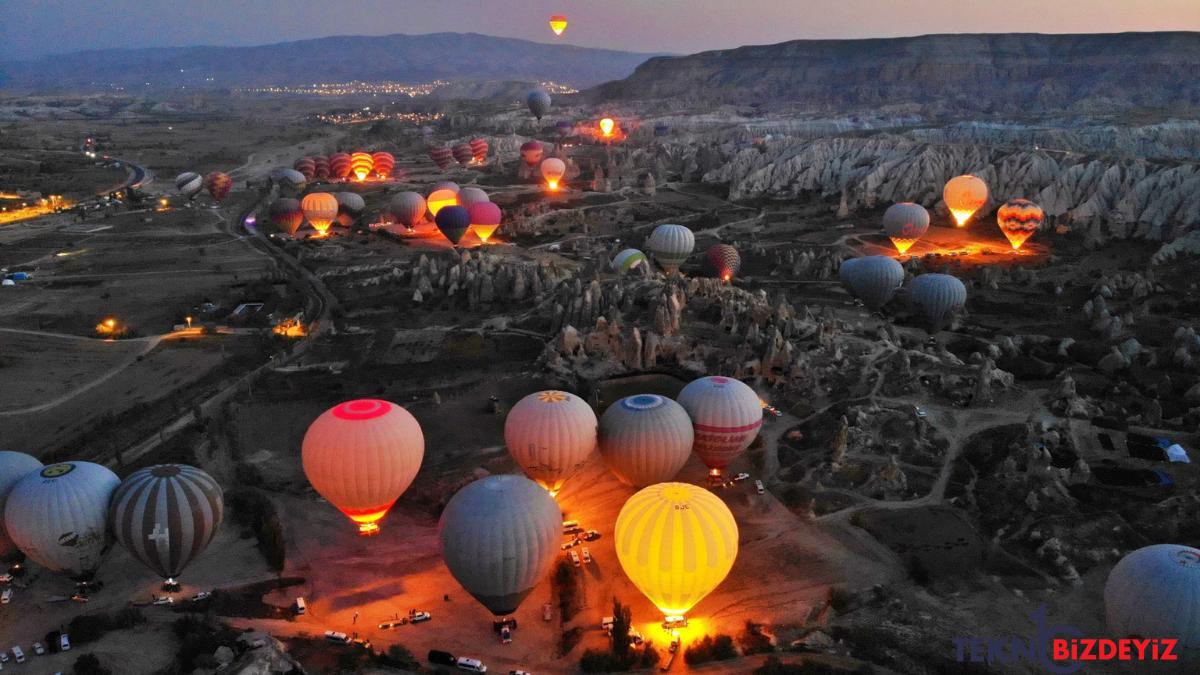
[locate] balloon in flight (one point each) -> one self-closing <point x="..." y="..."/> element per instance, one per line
<point x="1152" y="592"/>
<point x="670" y="245"/>
<point x="538" y="102"/>
<point x="558" y="23"/>
<point x="937" y="298"/>
<point x="629" y="260"/>
<point x="873" y="279"/>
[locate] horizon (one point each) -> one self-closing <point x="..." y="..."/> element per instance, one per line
<point x="54" y="27"/>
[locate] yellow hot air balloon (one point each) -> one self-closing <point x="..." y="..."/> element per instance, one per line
<point x="361" y="165"/>
<point x="964" y="196"/>
<point x="558" y="23"/>
<point x="606" y="126"/>
<point x="441" y="198"/>
<point x="1019" y="219"/>
<point x="676" y="543"/>
<point x="320" y="208"/>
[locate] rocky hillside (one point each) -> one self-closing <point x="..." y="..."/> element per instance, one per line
<point x="403" y="58"/>
<point x="992" y="73"/>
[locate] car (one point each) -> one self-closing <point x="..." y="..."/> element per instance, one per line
<point x="587" y="556"/>
<point x="506" y="635"/>
<point x="39" y="649"/>
<point x="202" y="595"/>
<point x="3" y="657"/>
<point x="606" y="624"/>
<point x="547" y="611"/>
<point x="572" y="530"/>
<point x="635" y="636"/>
<point x="418" y="616"/>
<point x="921" y="412"/>
<point x="164" y="600"/>
<point x="759" y="488"/>
<point x="574" y="558"/>
<point x="571" y="544"/>
<point x="388" y="625"/>
<point x="6" y="596"/>
<point x="337" y="636"/>
<point x="299" y="607"/>
<point x="441" y="658"/>
<point x="362" y="642"/>
<point x="567" y="524"/>
<point x="473" y="665"/>
<point x="741" y="476"/>
<point x="64" y="643"/>
<point x="79" y="597"/>
<point x="518" y="672"/>
<point x="592" y="535"/>
<point x="18" y="655"/>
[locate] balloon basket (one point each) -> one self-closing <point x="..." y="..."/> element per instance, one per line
<point x="368" y="529"/>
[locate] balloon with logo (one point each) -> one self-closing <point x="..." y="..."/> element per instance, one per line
<point x="904" y="223"/>
<point x="1019" y="219"/>
<point x="726" y="416"/>
<point x="964" y="195"/>
<point x="550" y="435"/>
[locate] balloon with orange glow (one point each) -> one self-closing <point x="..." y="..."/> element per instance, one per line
<point x="550" y="435"/>
<point x="723" y="261"/>
<point x="964" y="195"/>
<point x="462" y="154"/>
<point x="350" y="208"/>
<point x="408" y="208"/>
<point x="558" y="23"/>
<point x="361" y="165"/>
<point x="218" y="185"/>
<point x="485" y="219"/>
<point x="1019" y="219"/>
<point x="479" y="150"/>
<point x="553" y="169"/>
<point x="726" y="415"/>
<point x="606" y="127"/>
<point x="339" y="165"/>
<point x="531" y="152"/>
<point x="383" y="163"/>
<point x="361" y="456"/>
<point x="440" y="199"/>
<point x="905" y="223"/>
<point x="285" y="214"/>
<point x="320" y="210"/>
<point x="322" y="168"/>
<point x="676" y="542"/>
<point x="306" y="166"/>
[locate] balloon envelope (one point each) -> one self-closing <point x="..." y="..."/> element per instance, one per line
<point x="873" y="279"/>
<point x="1019" y="219"/>
<point x="286" y="214"/>
<point x="307" y="166"/>
<point x="462" y="154"/>
<point x="531" y="152"/>
<point x="538" y="102"/>
<point x="339" y="165"/>
<point x="723" y="261"/>
<point x="453" y="221"/>
<point x="937" y="298"/>
<point x="676" y="542"/>
<point x="218" y="185"/>
<point x="670" y="245"/>
<point x="964" y="195"/>
<point x="469" y="196"/>
<point x="189" y="184"/>
<point x="441" y="157"/>
<point x="558" y="23"/>
<point x="645" y="439"/>
<point x="726" y="415"/>
<point x="479" y="150"/>
<point x="1152" y="592"/>
<point x="553" y="169"/>
<point x="905" y="223"/>
<point x="499" y="536"/>
<point x="13" y="467"/>
<point x="440" y="199"/>
<point x="58" y="516"/>
<point x="166" y="515"/>
<point x="485" y="218"/>
<point x="408" y="208"/>
<point x="361" y="165"/>
<point x="627" y="260"/>
<point x="350" y="207"/>
<point x="550" y="435"/>
<point x="320" y="209"/>
<point x="361" y="456"/>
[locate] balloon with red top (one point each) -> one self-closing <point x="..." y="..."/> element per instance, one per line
<point x="726" y="416"/>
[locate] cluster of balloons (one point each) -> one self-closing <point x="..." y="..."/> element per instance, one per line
<point x="218" y="184"/>
<point x="66" y="516"/>
<point x="360" y="164"/>
<point x="905" y="222"/>
<point x="671" y="245"/>
<point x="874" y="280"/>
<point x="467" y="153"/>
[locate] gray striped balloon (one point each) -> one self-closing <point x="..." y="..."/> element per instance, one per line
<point x="165" y="515"/>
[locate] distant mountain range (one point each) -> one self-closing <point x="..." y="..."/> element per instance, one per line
<point x="1008" y="73"/>
<point x="403" y="58"/>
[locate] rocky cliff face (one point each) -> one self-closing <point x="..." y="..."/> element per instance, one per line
<point x="993" y="73"/>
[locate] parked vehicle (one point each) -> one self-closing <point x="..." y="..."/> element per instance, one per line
<point x="164" y="600"/>
<point x="299" y="607"/>
<point x="547" y="611"/>
<point x="388" y="625"/>
<point x="473" y="665"/>
<point x="570" y="523"/>
<point x="741" y="476"/>
<point x="441" y="658"/>
<point x="571" y="544"/>
<point x="39" y="649"/>
<point x="574" y="558"/>
<point x="64" y="643"/>
<point x="18" y="655"/>
<point x="337" y="636"/>
<point x="587" y="556"/>
<point x="6" y="596"/>
<point x="201" y="596"/>
<point x="418" y="616"/>
<point x="592" y="535"/>
<point x="759" y="488"/>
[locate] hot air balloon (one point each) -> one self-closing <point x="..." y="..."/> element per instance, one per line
<point x="723" y="261"/>
<point x="645" y="439"/>
<point x="408" y="208"/>
<point x="1152" y="593"/>
<point x="441" y="156"/>
<point x="453" y="221"/>
<point x="307" y="166"/>
<point x="676" y="542"/>
<point x="479" y="150"/>
<point x="361" y="165"/>
<point x="938" y="298"/>
<point x="558" y="23"/>
<point x="218" y="185"/>
<point x="471" y="195"/>
<point x="607" y="125"/>
<point x="58" y="516"/>
<point x="350" y="207"/>
<point x="290" y="180"/>
<point x="339" y="165"/>
<point x="905" y="223"/>
<point x="873" y="279"/>
<point x="320" y="209"/>
<point x="553" y="169"/>
<point x="322" y="167"/>
<point x="189" y="184"/>
<point x="286" y="214"/>
<point x="462" y="154"/>
<point x="670" y="245"/>
<point x="361" y="456"/>
<point x="383" y="163"/>
<point x="531" y="152"/>
<point x="485" y="218"/>
<point x="564" y="128"/>
<point x="446" y="185"/>
<point x="550" y="434"/>
<point x="499" y="535"/>
<point x="1019" y="219"/>
<point x="166" y="515"/>
<point x="538" y="102"/>
<point x="13" y="467"/>
<point x="726" y="415"/>
<point x="964" y="195"/>
<point x="441" y="198"/>
<point x="627" y="260"/>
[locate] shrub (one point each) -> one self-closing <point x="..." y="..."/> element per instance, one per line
<point x="710" y="648"/>
<point x="88" y="664"/>
<point x="398" y="656"/>
<point x="569" y="639"/>
<point x="250" y="508"/>
<point x="566" y="588"/>
<point x="601" y="661"/>
<point x="753" y="641"/>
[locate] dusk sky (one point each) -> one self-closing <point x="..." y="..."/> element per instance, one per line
<point x="35" y="27"/>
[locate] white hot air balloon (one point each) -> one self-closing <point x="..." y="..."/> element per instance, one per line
<point x="904" y="223"/>
<point x="361" y="456"/>
<point x="550" y="435"/>
<point x="471" y="195"/>
<point x="874" y="279"/>
<point x="938" y="298"/>
<point x="1154" y="592"/>
<point x="726" y="415"/>
<point x="13" y="467"/>
<point x="499" y="536"/>
<point x="645" y="439"/>
<point x="58" y="516"/>
<point x="553" y="169"/>
<point x="189" y="184"/>
<point x="670" y="245"/>
<point x="628" y="260"/>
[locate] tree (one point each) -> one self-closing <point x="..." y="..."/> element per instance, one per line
<point x="88" y="664"/>
<point x="622" y="619"/>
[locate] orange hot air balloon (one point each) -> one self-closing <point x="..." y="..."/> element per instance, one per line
<point x="320" y="209"/>
<point x="361" y="164"/>
<point x="361" y="456"/>
<point x="558" y="23"/>
<point x="339" y="165"/>
<point x="1019" y="219"/>
<point x="606" y="127"/>
<point x="964" y="196"/>
<point x="439" y="199"/>
<point x="383" y="163"/>
<point x="218" y="185"/>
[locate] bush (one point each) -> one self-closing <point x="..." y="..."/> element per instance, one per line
<point x="753" y="641"/>
<point x="601" y="661"/>
<point x="87" y="628"/>
<point x="565" y="584"/>
<point x="398" y="656"/>
<point x="88" y="664"/>
<point x="568" y="640"/>
<point x="252" y="509"/>
<point x="709" y="648"/>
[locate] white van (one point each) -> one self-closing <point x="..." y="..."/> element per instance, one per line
<point x="473" y="665"/>
<point x="18" y="655"/>
<point x="338" y="637"/>
<point x="300" y="607"/>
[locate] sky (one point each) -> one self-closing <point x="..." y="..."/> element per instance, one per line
<point x="31" y="28"/>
